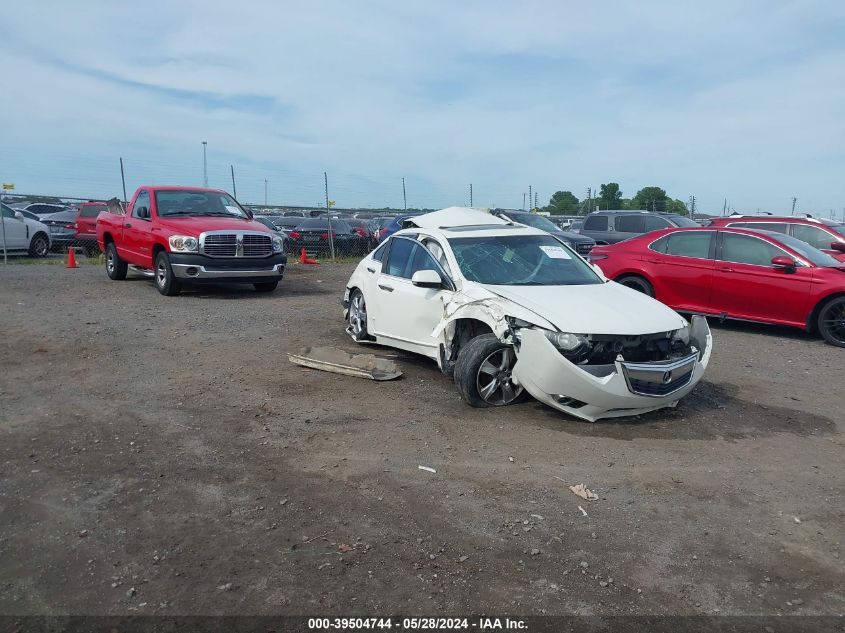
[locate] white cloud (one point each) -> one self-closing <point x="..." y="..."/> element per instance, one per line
<point x="716" y="99"/>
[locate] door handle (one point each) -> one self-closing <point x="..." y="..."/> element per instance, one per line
<point x="371" y="270"/>
<point x="726" y="269"/>
<point x="388" y="288"/>
<point x="127" y="225"/>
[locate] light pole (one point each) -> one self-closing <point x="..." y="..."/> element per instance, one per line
<point x="204" y="166"/>
<point x="265" y="192"/>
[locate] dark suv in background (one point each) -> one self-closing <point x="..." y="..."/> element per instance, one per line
<point x="610" y="227"/>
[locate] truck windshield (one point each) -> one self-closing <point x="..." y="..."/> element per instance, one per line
<point x="180" y="202"/>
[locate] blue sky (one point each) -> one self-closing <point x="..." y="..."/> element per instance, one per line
<point x="718" y="99"/>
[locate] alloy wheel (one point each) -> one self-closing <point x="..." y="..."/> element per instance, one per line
<point x="494" y="381"/>
<point x="358" y="315"/>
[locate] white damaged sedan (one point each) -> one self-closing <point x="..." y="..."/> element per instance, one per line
<point x="510" y="310"/>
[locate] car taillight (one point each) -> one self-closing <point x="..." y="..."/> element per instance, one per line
<point x="361" y="232"/>
<point x="594" y="257"/>
<point x="294" y="235"/>
<point x="327" y="235"/>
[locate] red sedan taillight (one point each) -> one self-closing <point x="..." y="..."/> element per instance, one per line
<point x="294" y="235"/>
<point x="327" y="235"/>
<point x="594" y="257"/>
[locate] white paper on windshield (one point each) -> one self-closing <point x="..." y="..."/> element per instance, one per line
<point x="555" y="252"/>
<point x="233" y="210"/>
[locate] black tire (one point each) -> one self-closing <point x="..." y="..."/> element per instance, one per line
<point x="357" y="316"/>
<point x="115" y="267"/>
<point x="483" y="370"/>
<point x="165" y="280"/>
<point x="831" y="321"/>
<point x="635" y="282"/>
<point x="265" y="286"/>
<point x="39" y="245"/>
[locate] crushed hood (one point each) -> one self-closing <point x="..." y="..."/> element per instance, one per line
<point x="607" y="308"/>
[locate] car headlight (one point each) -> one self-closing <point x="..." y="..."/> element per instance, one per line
<point x="278" y="244"/>
<point x="183" y="244"/>
<point x="565" y="341"/>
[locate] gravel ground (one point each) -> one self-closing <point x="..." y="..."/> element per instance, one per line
<point x="161" y="455"/>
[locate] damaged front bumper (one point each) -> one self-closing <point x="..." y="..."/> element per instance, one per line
<point x="593" y="392"/>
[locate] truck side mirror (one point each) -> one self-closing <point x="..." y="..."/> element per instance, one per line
<point x="143" y="213"/>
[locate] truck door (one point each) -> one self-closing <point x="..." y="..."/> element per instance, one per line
<point x="137" y="234"/>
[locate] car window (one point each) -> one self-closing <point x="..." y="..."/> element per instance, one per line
<point x="380" y="252"/>
<point x="655" y="223"/>
<point x="421" y="259"/>
<point x="780" y="227"/>
<point x="685" y="244"/>
<point x="91" y="210"/>
<point x="8" y="212"/>
<point x="400" y="256"/>
<point x="436" y="251"/>
<point x="595" y="223"/>
<point x="630" y="224"/>
<point x="744" y="249"/>
<point x="143" y="200"/>
<point x="813" y="235"/>
<point x="682" y="222"/>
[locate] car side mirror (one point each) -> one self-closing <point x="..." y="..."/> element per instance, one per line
<point x="838" y="246"/>
<point x="427" y="279"/>
<point x="19" y="215"/>
<point x="784" y="263"/>
<point x="143" y="213"/>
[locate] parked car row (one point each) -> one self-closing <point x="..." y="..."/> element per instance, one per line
<point x="23" y="234"/>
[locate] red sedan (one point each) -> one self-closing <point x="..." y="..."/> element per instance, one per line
<point x="734" y="273"/>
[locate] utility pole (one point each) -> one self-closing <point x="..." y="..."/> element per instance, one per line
<point x="123" y="178"/>
<point x="404" y="197"/>
<point x="470" y="194"/>
<point x="265" y="192"/>
<point x="794" y="200"/>
<point x="692" y="207"/>
<point x="204" y="165"/>
<point x="530" y="197"/>
<point x="329" y="211"/>
<point x="234" y="189"/>
<point x="725" y="207"/>
<point x="523" y="201"/>
<point x="589" y="200"/>
<point x="535" y="200"/>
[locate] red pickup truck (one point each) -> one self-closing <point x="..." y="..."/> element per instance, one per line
<point x="189" y="235"/>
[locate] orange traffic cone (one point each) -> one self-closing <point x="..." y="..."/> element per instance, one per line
<point x="71" y="259"/>
<point x="303" y="258"/>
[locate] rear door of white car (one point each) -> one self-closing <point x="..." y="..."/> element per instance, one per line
<point x="15" y="230"/>
<point x="407" y="314"/>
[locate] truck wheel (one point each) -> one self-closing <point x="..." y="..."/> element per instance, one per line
<point x="166" y="281"/>
<point x="266" y="286"/>
<point x="483" y="373"/>
<point x="115" y="267"/>
<point x="39" y="245"/>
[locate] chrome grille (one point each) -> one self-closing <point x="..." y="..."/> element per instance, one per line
<point x="584" y="247"/>
<point x="257" y="245"/>
<point x="221" y="245"/>
<point x="659" y="378"/>
<point x="237" y="244"/>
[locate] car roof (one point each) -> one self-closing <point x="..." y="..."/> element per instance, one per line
<point x="155" y="188"/>
<point x="452" y="217"/>
<point x="789" y="219"/>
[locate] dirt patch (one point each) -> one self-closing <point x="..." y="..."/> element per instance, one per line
<point x="163" y="452"/>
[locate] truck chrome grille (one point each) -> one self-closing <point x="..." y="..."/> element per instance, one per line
<point x="237" y="244"/>
<point x="584" y="248"/>
<point x="221" y="245"/>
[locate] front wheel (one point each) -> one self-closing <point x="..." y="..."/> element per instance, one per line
<point x="483" y="373"/>
<point x="39" y="245"/>
<point x="115" y="267"/>
<point x="166" y="281"/>
<point x="358" y="316"/>
<point x="832" y="322"/>
<point x="265" y="286"/>
<point x="635" y="282"/>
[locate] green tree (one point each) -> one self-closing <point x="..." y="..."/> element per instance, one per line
<point x="650" y="199"/>
<point x="610" y="197"/>
<point x="677" y="206"/>
<point x="563" y="203"/>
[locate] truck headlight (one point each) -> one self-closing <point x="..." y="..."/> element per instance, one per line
<point x="183" y="244"/>
<point x="278" y="244"/>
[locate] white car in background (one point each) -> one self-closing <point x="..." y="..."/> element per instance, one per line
<point x="24" y="234"/>
<point x="509" y="309"/>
